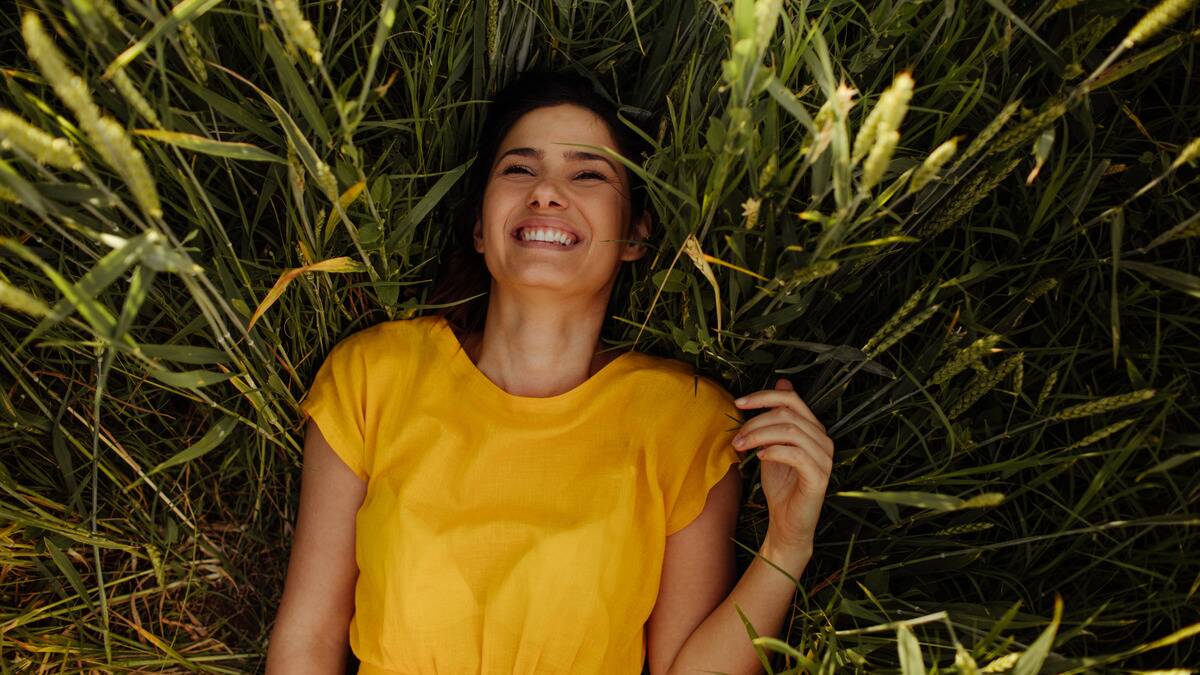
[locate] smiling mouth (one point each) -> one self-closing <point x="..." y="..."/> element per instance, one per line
<point x="545" y="243"/>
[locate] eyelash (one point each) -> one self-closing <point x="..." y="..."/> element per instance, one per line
<point x="595" y="174"/>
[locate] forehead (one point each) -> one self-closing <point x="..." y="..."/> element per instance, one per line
<point x="565" y="123"/>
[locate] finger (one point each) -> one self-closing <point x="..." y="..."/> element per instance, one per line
<point x="788" y="433"/>
<point x="806" y="465"/>
<point x="778" y="397"/>
<point x="782" y="415"/>
<point x="815" y="467"/>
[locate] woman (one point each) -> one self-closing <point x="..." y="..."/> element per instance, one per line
<point x="492" y="492"/>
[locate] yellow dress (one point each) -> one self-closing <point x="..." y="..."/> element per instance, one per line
<point x="511" y="534"/>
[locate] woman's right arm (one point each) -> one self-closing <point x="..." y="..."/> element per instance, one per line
<point x="311" y="633"/>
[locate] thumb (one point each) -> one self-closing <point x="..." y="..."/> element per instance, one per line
<point x="784" y="384"/>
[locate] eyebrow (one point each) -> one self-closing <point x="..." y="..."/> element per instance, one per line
<point x="573" y="155"/>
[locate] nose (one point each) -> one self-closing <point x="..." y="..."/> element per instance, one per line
<point x="546" y="193"/>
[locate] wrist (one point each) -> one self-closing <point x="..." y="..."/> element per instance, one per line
<point x="791" y="557"/>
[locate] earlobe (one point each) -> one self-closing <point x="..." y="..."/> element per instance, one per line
<point x="477" y="236"/>
<point x="640" y="232"/>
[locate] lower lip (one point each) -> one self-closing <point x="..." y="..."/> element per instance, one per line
<point x="549" y="245"/>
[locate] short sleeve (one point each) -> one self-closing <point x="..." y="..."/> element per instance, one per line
<point x="335" y="401"/>
<point x="704" y="443"/>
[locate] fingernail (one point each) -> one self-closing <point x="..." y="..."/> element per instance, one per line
<point x="739" y="401"/>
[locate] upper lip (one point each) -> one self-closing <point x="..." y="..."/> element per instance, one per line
<point x="551" y="223"/>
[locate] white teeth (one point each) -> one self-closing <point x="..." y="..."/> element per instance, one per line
<point x="540" y="234"/>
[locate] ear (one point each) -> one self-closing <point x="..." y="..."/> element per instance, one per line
<point x="477" y="235"/>
<point x="640" y="232"/>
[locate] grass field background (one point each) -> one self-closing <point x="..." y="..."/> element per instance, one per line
<point x="966" y="230"/>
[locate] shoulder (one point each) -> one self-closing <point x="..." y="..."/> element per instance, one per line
<point x="400" y="339"/>
<point x="400" y="336"/>
<point x="686" y="385"/>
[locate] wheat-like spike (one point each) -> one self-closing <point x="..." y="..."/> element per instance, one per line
<point x="878" y="159"/>
<point x="297" y="28"/>
<point x="1051" y="380"/>
<point x="1018" y="381"/>
<point x="894" y="103"/>
<point x="1003" y="663"/>
<point x="975" y="191"/>
<point x="811" y="273"/>
<point x="750" y="209"/>
<point x="884" y="118"/>
<point x="493" y="22"/>
<point x="1164" y="14"/>
<point x="1103" y="405"/>
<point x="1100" y="435"/>
<point x="983" y="384"/>
<point x="965" y="528"/>
<point x="766" y="16"/>
<point x="326" y="181"/>
<point x="904" y="329"/>
<point x="768" y="172"/>
<point x="15" y="298"/>
<point x="1188" y="154"/>
<point x="933" y="164"/>
<point x="985" y="136"/>
<point x="965" y="357"/>
<point x="118" y="150"/>
<point x="66" y="84"/>
<point x="191" y="49"/>
<point x="905" y="309"/>
<point x="983" y="501"/>
<point x="864" y="140"/>
<point x="1028" y="129"/>
<point x="156" y="562"/>
<point x="46" y="149"/>
<point x="1064" y="4"/>
<point x="133" y="97"/>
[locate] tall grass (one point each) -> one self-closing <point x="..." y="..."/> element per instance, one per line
<point x="966" y="231"/>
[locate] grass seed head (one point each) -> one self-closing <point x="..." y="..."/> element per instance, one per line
<point x="1164" y="14"/>
<point x="932" y="165"/>
<point x="965" y="357"/>
<point x="297" y="28"/>
<point x="878" y="159"/>
<point x="1103" y="405"/>
<point x="118" y="150"/>
<point x="133" y="97"/>
<point x="46" y="149"/>
<point x="983" y="384"/>
<point x="69" y="87"/>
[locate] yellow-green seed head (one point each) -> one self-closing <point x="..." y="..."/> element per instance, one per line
<point x="46" y="149"/>
<point x="69" y="87"/>
<point x="750" y="212"/>
<point x="297" y="28"/>
<point x="878" y="159"/>
<point x="133" y="97"/>
<point x="1163" y="15"/>
<point x="932" y="165"/>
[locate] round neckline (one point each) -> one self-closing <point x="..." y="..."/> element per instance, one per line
<point x="474" y="379"/>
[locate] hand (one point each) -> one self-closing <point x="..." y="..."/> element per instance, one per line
<point x="796" y="462"/>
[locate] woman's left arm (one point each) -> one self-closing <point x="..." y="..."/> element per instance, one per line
<point x="796" y="457"/>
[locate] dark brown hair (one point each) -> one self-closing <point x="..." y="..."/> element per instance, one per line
<point x="463" y="272"/>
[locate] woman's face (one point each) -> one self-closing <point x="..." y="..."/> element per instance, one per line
<point x="540" y="185"/>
